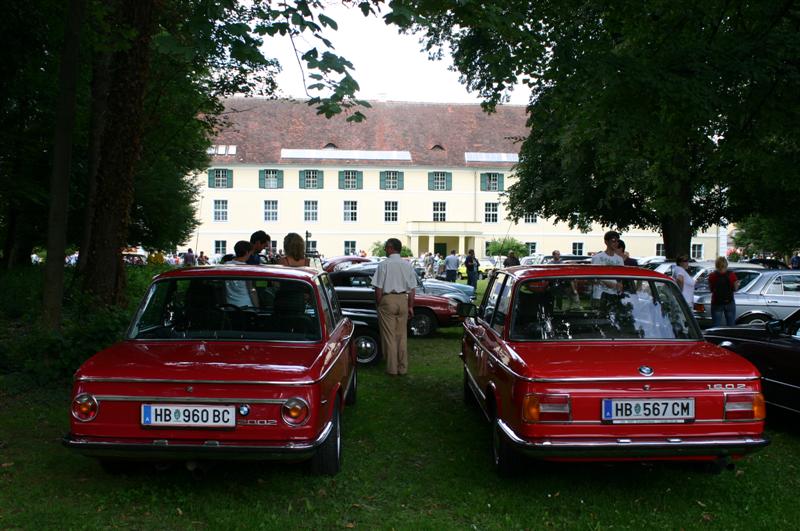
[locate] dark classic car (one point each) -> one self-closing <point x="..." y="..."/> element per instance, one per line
<point x="584" y="362"/>
<point x="354" y="289"/>
<point x="774" y="348"/>
<point x="222" y="362"/>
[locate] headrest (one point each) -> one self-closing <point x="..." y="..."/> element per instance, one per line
<point x="290" y="301"/>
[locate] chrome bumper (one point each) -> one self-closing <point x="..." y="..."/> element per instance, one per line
<point x="164" y="449"/>
<point x="633" y="447"/>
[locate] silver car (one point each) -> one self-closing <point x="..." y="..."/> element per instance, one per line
<point x="763" y="295"/>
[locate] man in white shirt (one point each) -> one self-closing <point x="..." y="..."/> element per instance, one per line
<point x="394" y="282"/>
<point x="241" y="293"/>
<point x="609" y="256"/>
<point x="451" y="264"/>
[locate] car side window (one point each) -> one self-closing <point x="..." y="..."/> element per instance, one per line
<point x="791" y="284"/>
<point x="776" y="288"/>
<point x="492" y="298"/>
<point x="330" y="292"/>
<point x="326" y="306"/>
<point x="503" y="304"/>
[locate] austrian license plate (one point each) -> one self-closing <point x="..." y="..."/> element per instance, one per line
<point x="181" y="415"/>
<point x="647" y="410"/>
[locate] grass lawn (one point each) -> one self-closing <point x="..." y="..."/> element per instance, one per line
<point x="414" y="457"/>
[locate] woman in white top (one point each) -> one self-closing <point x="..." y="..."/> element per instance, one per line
<point x="684" y="279"/>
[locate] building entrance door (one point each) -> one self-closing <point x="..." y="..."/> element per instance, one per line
<point x="440" y="248"/>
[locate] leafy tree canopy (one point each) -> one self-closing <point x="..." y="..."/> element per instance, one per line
<point x="758" y="235"/>
<point x="502" y="246"/>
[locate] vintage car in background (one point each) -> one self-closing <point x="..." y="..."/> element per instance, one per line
<point x="774" y="348"/>
<point x="222" y="362"/>
<point x="485" y="267"/>
<point x="343" y="262"/>
<point x="763" y="296"/>
<point x="583" y="362"/>
<point x="354" y="290"/>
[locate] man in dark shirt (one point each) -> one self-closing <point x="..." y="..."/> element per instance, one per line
<point x="625" y="256"/>
<point x="511" y="260"/>
<point x="260" y="241"/>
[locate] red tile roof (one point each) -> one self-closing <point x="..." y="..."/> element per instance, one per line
<point x="260" y="128"/>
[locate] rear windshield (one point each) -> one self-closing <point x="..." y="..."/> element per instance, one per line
<point x="229" y="309"/>
<point x="600" y="308"/>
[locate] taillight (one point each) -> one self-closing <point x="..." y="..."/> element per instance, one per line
<point x="699" y="307"/>
<point x="745" y="406"/>
<point x="294" y="411"/>
<point x="84" y="407"/>
<point x="546" y="408"/>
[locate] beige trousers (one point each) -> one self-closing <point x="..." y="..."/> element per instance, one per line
<point x="393" y="319"/>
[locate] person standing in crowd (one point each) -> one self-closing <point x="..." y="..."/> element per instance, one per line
<point x="609" y="256"/>
<point x="556" y="257"/>
<point x="795" y="261"/>
<point x="189" y="259"/>
<point x="395" y="282"/>
<point x="428" y="263"/>
<point x="685" y="281"/>
<point x="723" y="284"/>
<point x="202" y="259"/>
<point x="626" y="257"/>
<point x="260" y="241"/>
<point x="451" y="264"/>
<point x="471" y="265"/>
<point x="241" y="293"/>
<point x="511" y="260"/>
<point x="295" y="248"/>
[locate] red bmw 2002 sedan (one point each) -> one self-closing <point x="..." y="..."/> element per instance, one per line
<point x="588" y="362"/>
<point x="222" y="362"/>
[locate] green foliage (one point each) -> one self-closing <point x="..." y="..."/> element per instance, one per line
<point x="733" y="256"/>
<point x="377" y="248"/>
<point x="762" y="235"/>
<point x="503" y="246"/>
<point x="405" y="252"/>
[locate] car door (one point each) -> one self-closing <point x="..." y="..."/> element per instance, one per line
<point x="782" y="296"/>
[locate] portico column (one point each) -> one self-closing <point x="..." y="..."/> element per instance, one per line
<point x="414" y="245"/>
<point x="461" y="248"/>
<point x="430" y="243"/>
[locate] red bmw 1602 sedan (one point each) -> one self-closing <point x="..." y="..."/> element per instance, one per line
<point x="222" y="362"/>
<point x="588" y="362"/>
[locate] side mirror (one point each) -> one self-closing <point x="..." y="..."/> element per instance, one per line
<point x="774" y="327"/>
<point x="467" y="309"/>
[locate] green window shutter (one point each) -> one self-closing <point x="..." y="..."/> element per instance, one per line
<point x="302" y="179"/>
<point x="280" y="178"/>
<point x="484" y="182"/>
<point x="448" y="180"/>
<point x="430" y="180"/>
<point x="211" y="178"/>
<point x="341" y="180"/>
<point x="320" y="179"/>
<point x="360" y="180"/>
<point x="399" y="180"/>
<point x="262" y="178"/>
<point x="500" y="183"/>
<point x="230" y="178"/>
<point x="382" y="180"/>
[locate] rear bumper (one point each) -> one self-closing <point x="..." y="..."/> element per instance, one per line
<point x="633" y="448"/>
<point x="211" y="450"/>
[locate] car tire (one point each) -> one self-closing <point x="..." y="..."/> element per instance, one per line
<point x="328" y="457"/>
<point x="753" y="319"/>
<point x="352" y="393"/>
<point x="422" y="324"/>
<point x="504" y="457"/>
<point x="368" y="346"/>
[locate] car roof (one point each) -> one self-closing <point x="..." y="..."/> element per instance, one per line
<point x="580" y="270"/>
<point x="272" y="271"/>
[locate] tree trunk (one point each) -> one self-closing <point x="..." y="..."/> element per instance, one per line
<point x="101" y="63"/>
<point x="677" y="234"/>
<point x="53" y="289"/>
<point x="121" y="149"/>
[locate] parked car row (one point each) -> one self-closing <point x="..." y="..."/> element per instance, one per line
<point x="567" y="362"/>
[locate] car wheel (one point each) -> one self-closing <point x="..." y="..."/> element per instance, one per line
<point x="350" y="399"/>
<point x="504" y="457"/>
<point x="328" y="457"/>
<point x="422" y="324"/>
<point x="368" y="346"/>
<point x="753" y="319"/>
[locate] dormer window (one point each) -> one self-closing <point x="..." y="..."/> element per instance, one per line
<point x="437" y="147"/>
<point x="330" y="145"/>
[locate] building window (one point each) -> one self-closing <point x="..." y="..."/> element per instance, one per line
<point x="577" y="248"/>
<point x="390" y="211"/>
<point x="310" y="210"/>
<point x="273" y="247"/>
<point x="530" y="218"/>
<point x="490" y="212"/>
<point x="311" y="247"/>
<point x="439" y="180"/>
<point x="486" y="248"/>
<point x="697" y="251"/>
<point x="312" y="178"/>
<point x="439" y="211"/>
<point x="220" y="178"/>
<point x="351" y="210"/>
<point x="271" y="179"/>
<point x="220" y="247"/>
<point x="350" y="180"/>
<point x="220" y="210"/>
<point x="531" y="247"/>
<point x="391" y="181"/>
<point x="660" y="250"/>
<point x="349" y="247"/>
<point x="492" y="182"/>
<point x="270" y="210"/>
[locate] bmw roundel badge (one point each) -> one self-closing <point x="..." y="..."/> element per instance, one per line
<point x="644" y="370"/>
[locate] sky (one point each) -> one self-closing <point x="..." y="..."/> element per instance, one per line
<point x="388" y="66"/>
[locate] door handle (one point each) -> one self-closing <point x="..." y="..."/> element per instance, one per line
<point x="772" y="302"/>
